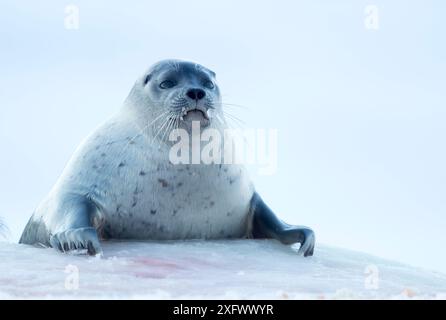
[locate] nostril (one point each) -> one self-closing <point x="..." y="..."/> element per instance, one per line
<point x="196" y="94"/>
<point x="200" y="94"/>
<point x="191" y="94"/>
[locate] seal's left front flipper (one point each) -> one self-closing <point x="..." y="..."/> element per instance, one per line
<point x="265" y="224"/>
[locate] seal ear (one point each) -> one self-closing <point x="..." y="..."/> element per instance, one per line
<point x="147" y="78"/>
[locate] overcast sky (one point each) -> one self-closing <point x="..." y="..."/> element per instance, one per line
<point x="360" y="112"/>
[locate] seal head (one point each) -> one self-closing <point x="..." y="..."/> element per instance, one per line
<point x="178" y="92"/>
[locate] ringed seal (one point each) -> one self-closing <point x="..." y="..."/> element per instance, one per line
<point x="120" y="184"/>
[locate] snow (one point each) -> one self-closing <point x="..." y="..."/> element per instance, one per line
<point x="231" y="269"/>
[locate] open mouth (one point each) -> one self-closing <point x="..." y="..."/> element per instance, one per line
<point x="196" y="115"/>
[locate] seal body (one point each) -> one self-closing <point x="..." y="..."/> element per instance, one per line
<point x="140" y="194"/>
<point x="121" y="184"/>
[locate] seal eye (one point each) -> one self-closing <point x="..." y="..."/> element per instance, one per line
<point x="209" y="84"/>
<point x="167" y="84"/>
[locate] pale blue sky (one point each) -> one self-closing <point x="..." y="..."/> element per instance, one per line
<point x="360" y="114"/>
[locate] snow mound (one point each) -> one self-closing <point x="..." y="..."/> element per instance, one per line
<point x="232" y="269"/>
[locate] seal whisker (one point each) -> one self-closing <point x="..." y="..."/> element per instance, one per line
<point x="222" y="122"/>
<point x="174" y="124"/>
<point x="151" y="123"/>
<point x="237" y="120"/>
<point x="161" y="128"/>
<point x="120" y="155"/>
<point x="232" y="105"/>
<point x="141" y="132"/>
<point x="166" y="131"/>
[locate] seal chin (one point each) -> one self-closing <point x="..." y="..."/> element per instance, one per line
<point x="197" y="115"/>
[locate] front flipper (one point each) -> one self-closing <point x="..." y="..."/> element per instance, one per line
<point x="77" y="239"/>
<point x="266" y="225"/>
<point x="74" y="230"/>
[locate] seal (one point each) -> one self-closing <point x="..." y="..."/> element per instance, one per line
<point x="121" y="184"/>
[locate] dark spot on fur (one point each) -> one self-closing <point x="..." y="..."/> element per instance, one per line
<point x="152" y="211"/>
<point x="174" y="212"/>
<point x="163" y="182"/>
<point x="228" y="214"/>
<point x="103" y="154"/>
<point x="225" y="169"/>
<point x="233" y="179"/>
<point x="211" y="203"/>
<point x="95" y="166"/>
<point x="135" y="201"/>
<point x="121" y="165"/>
<point x="142" y="173"/>
<point x="179" y="184"/>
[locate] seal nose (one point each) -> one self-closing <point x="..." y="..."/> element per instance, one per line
<point x="196" y="94"/>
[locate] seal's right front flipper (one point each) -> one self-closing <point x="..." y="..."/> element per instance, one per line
<point x="73" y="221"/>
<point x="75" y="228"/>
<point x="77" y="239"/>
<point x="265" y="224"/>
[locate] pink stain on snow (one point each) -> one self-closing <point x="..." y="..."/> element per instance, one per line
<point x="150" y="275"/>
<point x="151" y="262"/>
<point x="154" y="268"/>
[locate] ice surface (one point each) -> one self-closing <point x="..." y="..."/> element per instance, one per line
<point x="244" y="269"/>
